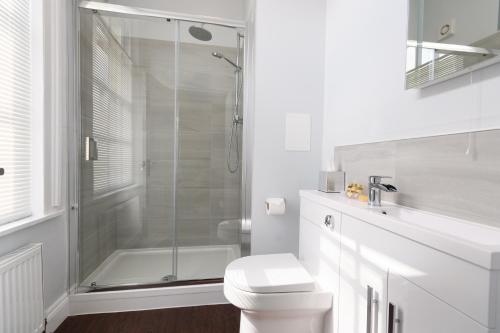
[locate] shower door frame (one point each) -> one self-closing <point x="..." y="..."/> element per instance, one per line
<point x="74" y="133"/>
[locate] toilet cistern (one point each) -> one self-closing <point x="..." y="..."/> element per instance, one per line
<point x="375" y="188"/>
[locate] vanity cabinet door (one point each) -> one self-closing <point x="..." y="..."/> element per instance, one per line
<point x="319" y="251"/>
<point x="363" y="283"/>
<point x="446" y="277"/>
<point x="413" y="310"/>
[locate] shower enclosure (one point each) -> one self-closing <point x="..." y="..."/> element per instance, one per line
<point x="159" y="190"/>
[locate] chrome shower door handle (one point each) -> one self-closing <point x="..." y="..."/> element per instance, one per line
<point x="91" y="151"/>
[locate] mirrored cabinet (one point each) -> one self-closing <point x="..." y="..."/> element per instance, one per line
<point x="447" y="38"/>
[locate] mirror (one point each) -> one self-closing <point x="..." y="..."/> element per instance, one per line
<point x="447" y="38"/>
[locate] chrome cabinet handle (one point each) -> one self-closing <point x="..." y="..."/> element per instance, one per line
<point x="392" y="320"/>
<point x="369" y="299"/>
<point x="371" y="316"/>
<point x="328" y="221"/>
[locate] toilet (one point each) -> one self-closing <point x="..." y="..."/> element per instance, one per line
<point x="275" y="294"/>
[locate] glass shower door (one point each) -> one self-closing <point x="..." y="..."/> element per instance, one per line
<point x="128" y="154"/>
<point x="160" y="168"/>
<point x="209" y="177"/>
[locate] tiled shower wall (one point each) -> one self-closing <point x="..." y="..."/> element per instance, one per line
<point x="205" y="193"/>
<point x="456" y="175"/>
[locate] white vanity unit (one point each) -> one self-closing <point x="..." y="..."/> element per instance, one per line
<point x="398" y="270"/>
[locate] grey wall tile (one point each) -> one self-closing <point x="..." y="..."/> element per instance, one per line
<point x="225" y="203"/>
<point x="456" y="175"/>
<point x="194" y="145"/>
<point x="193" y="173"/>
<point x="194" y="116"/>
<point x="193" y="203"/>
<point x="193" y="232"/>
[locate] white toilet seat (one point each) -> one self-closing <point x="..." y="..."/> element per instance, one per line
<point x="271" y="273"/>
<point x="316" y="300"/>
<point x="275" y="293"/>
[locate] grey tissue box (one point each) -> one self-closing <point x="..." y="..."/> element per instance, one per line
<point x="331" y="181"/>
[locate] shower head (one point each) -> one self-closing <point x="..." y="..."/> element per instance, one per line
<point x="222" y="56"/>
<point x="200" y="33"/>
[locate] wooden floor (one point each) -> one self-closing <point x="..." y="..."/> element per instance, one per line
<point x="201" y="319"/>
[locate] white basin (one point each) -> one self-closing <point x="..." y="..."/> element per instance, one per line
<point x="465" y="230"/>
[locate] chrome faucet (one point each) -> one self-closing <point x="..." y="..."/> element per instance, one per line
<point x="375" y="189"/>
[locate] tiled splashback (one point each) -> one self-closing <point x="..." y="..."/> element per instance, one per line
<point x="456" y="175"/>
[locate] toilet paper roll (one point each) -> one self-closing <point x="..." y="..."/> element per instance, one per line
<point x="275" y="206"/>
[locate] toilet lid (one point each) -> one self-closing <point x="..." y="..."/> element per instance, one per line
<point x="273" y="273"/>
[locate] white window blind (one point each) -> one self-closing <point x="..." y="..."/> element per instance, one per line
<point x="111" y="111"/>
<point x="15" y="109"/>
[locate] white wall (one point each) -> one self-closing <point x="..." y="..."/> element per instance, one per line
<point x="365" y="100"/>
<point x="289" y="57"/>
<point x="229" y="9"/>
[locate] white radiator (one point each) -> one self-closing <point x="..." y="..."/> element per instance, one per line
<point x="21" y="292"/>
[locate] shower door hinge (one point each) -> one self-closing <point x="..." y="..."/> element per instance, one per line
<point x="169" y="278"/>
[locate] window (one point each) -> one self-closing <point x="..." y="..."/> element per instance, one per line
<point x="112" y="126"/>
<point x="15" y="110"/>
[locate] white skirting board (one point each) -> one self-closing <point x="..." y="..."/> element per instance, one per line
<point x="57" y="312"/>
